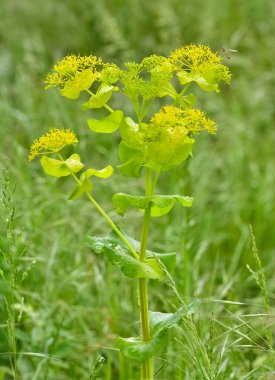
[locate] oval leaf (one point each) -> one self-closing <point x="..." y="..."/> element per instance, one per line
<point x="108" y="124"/>
<point x="81" y="81"/>
<point x="120" y="257"/>
<point x="100" y="98"/>
<point x="132" y="158"/>
<point x="168" y="259"/>
<point x="204" y="83"/>
<point x="129" y="132"/>
<point x="122" y="201"/>
<point x="85" y="187"/>
<point x="137" y="349"/>
<point x="58" y="168"/>
<point x="103" y="173"/>
<point x="162" y="204"/>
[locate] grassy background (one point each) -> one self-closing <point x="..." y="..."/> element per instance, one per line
<point x="75" y="304"/>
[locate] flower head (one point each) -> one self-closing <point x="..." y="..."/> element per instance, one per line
<point x="110" y="73"/>
<point x="74" y="74"/>
<point x="175" y="122"/>
<point x="168" y="138"/>
<point x="147" y="78"/>
<point x="201" y="64"/>
<point x="52" y="142"/>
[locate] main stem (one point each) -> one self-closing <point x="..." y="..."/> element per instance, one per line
<point x="147" y="368"/>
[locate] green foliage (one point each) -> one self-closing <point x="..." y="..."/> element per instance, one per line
<point x="119" y="256"/>
<point x="132" y="160"/>
<point x="102" y="96"/>
<point x="109" y="124"/>
<point x="72" y="90"/>
<point x="167" y="259"/>
<point x="137" y="349"/>
<point x="159" y="144"/>
<point x="86" y="185"/>
<point x="66" y="288"/>
<point x="160" y="204"/>
<point x="59" y="168"/>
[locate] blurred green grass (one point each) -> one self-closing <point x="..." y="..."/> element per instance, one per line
<point x="73" y="300"/>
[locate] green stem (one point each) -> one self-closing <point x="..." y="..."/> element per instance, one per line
<point x="111" y="223"/>
<point x="147" y="368"/>
<point x="103" y="213"/>
<point x="185" y="88"/>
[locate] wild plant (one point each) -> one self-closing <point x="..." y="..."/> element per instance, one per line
<point x="154" y="139"/>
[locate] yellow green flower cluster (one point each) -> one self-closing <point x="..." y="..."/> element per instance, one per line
<point x="168" y="138"/>
<point x="52" y="142"/>
<point x="70" y="67"/>
<point x="200" y="60"/>
<point x="74" y="74"/>
<point x="172" y="122"/>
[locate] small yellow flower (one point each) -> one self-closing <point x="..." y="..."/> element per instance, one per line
<point x="70" y="69"/>
<point x="169" y="136"/>
<point x="194" y="56"/>
<point x="52" y="142"/>
<point x="175" y="122"/>
<point x="200" y="60"/>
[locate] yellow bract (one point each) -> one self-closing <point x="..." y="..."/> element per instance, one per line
<point x="52" y="142"/>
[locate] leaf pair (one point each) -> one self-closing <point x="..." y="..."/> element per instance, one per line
<point x="60" y="168"/>
<point x="139" y="350"/>
<point x="118" y="254"/>
<point x="86" y="185"/>
<point x="160" y="204"/>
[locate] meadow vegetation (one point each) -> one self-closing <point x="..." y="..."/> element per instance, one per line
<point x="62" y="307"/>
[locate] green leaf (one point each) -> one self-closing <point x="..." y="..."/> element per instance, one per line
<point x="58" y="168"/>
<point x="204" y="84"/>
<point x="167" y="89"/>
<point x="162" y="321"/>
<point x="119" y="256"/>
<point x="168" y="155"/>
<point x="122" y="201"/>
<point x="160" y="204"/>
<point x="187" y="101"/>
<point x="100" y="98"/>
<point x="108" y="124"/>
<point x="103" y="173"/>
<point x="129" y="132"/>
<point x="137" y="349"/>
<point x="168" y="259"/>
<point x="82" y="81"/>
<point x="86" y="185"/>
<point x="132" y="158"/>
